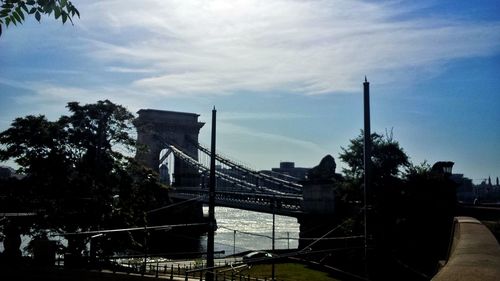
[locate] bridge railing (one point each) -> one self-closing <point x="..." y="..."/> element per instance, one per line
<point x="284" y="204"/>
<point x="474" y="253"/>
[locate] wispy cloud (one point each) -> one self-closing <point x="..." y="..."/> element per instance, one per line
<point x="128" y="69"/>
<point x="231" y="116"/>
<point x="50" y="97"/>
<point x="307" y="47"/>
<point x="257" y="147"/>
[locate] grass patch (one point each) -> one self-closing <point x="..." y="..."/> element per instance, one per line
<point x="288" y="272"/>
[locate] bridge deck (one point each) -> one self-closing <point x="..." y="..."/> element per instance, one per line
<point x="285" y="205"/>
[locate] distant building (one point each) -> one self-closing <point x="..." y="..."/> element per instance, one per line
<point x="465" y="189"/>
<point x="469" y="193"/>
<point x="233" y="173"/>
<point x="487" y="192"/>
<point x="5" y="173"/>
<point x="8" y="172"/>
<point x="289" y="169"/>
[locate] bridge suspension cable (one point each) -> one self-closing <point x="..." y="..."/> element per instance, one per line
<point x="259" y="182"/>
<point x="235" y="181"/>
<point x="174" y="205"/>
<point x="292" y="187"/>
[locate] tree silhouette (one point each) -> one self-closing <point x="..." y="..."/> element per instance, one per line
<point x="79" y="170"/>
<point x="412" y="208"/>
<point x="388" y="158"/>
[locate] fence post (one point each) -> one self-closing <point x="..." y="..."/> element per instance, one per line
<point x="157" y="268"/>
<point x="201" y="275"/>
<point x="171" y="272"/>
<point x="185" y="276"/>
<point x="178" y="269"/>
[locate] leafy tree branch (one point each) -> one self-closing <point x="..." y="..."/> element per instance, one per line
<point x="16" y="11"/>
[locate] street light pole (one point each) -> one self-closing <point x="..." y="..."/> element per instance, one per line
<point x="273" y="206"/>
<point x="145" y="249"/>
<point x="367" y="166"/>
<point x="211" y="204"/>
<point x="234" y="242"/>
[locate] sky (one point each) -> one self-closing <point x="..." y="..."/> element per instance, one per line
<point x="285" y="76"/>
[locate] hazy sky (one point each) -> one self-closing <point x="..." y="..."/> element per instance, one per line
<point x="285" y="76"/>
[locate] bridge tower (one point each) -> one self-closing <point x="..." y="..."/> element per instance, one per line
<point x="158" y="128"/>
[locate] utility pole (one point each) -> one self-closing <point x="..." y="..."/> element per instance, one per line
<point x="211" y="205"/>
<point x="145" y="264"/>
<point x="273" y="206"/>
<point x="367" y="167"/>
<point x="234" y="242"/>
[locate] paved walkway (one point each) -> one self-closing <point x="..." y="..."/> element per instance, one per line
<point x="474" y="255"/>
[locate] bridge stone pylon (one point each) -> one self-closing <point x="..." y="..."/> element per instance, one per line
<point x="158" y="128"/>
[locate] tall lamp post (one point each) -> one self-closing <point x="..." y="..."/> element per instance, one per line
<point x="234" y="242"/>
<point x="367" y="166"/>
<point x="211" y="204"/>
<point x="273" y="207"/>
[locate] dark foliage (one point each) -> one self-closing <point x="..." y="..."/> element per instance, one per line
<point x="412" y="213"/>
<point x="16" y="11"/>
<point x="388" y="158"/>
<point x="79" y="176"/>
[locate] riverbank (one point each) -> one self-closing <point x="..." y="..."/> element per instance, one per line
<point x="284" y="272"/>
<point x="32" y="274"/>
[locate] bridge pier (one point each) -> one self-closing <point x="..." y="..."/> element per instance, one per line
<point x="319" y="212"/>
<point x="156" y="130"/>
<point x="322" y="227"/>
<point x="182" y="239"/>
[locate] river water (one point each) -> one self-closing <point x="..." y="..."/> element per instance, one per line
<point x="253" y="231"/>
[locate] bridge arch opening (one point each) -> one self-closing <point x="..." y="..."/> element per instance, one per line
<point x="158" y="129"/>
<point x="167" y="167"/>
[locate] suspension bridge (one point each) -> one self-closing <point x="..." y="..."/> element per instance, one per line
<point x="174" y="150"/>
<point x="238" y="186"/>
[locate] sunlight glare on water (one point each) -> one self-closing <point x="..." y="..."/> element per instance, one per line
<point x="253" y="230"/>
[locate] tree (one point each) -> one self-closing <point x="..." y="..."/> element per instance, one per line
<point x="80" y="162"/>
<point x="14" y="11"/>
<point x="422" y="228"/>
<point x="412" y="207"/>
<point x="388" y="158"/>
